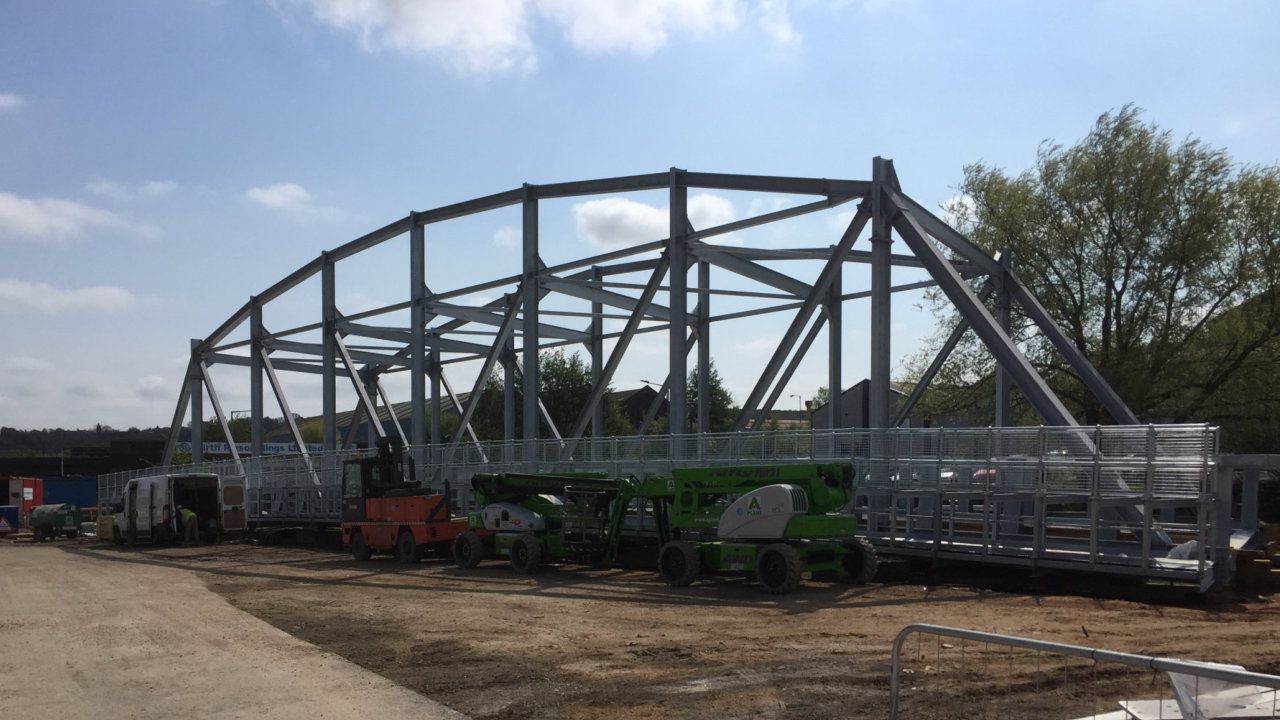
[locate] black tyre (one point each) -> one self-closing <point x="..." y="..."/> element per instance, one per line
<point x="38" y="534"/>
<point x="116" y="537"/>
<point x="359" y="550"/>
<point x="468" y="550"/>
<point x="408" y="551"/>
<point x="778" y="568"/>
<point x="678" y="563"/>
<point x="526" y="554"/>
<point x="71" y="534"/>
<point x="860" y="562"/>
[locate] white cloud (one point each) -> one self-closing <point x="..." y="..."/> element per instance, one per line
<point x="124" y="192"/>
<point x="613" y="222"/>
<point x="290" y="198"/>
<point x="774" y="19"/>
<point x="617" y="222"/>
<point x="508" y="237"/>
<point x="601" y="26"/>
<point x="959" y="210"/>
<point x="479" y="37"/>
<point x="22" y="365"/>
<point x="494" y="37"/>
<point x="18" y="296"/>
<point x="39" y="219"/>
<point x="707" y="210"/>
<point x="11" y="101"/>
<point x="153" y="387"/>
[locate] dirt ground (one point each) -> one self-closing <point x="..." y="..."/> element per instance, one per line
<point x="580" y="643"/>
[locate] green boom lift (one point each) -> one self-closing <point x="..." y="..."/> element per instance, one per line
<point x="536" y="519"/>
<point x="773" y="521"/>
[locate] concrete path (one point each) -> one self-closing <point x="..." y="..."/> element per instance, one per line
<point x="90" y="638"/>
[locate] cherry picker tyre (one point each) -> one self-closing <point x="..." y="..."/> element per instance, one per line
<point x="860" y="562"/>
<point x="526" y="554"/>
<point x="778" y="568"/>
<point x="678" y="563"/>
<point x="468" y="550"/>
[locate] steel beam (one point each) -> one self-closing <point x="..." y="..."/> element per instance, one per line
<point x="599" y="297"/>
<point x="1033" y="386"/>
<point x="596" y="349"/>
<point x="289" y="420"/>
<point x="766" y="218"/>
<point x="457" y="407"/>
<point x="703" y="312"/>
<point x="833" y="265"/>
<point x="391" y="411"/>
<point x="486" y="368"/>
<point x="435" y="369"/>
<point x="775" y="184"/>
<point x="329" y="378"/>
<point x="1093" y="380"/>
<point x="530" y="284"/>
<point x="179" y="414"/>
<point x="1003" y="414"/>
<point x="194" y="385"/>
<point x="255" y="378"/>
<point x="881" y="281"/>
<point x="358" y="384"/>
<point x="222" y="419"/>
<point x="962" y="326"/>
<point x="678" y="264"/>
<point x="615" y="357"/>
<point x="746" y="268"/>
<point x="790" y="370"/>
<point x="835" y="339"/>
<point x="947" y="235"/>
<point x="418" y="334"/>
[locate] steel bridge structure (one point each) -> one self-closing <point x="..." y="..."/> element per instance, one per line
<point x="1058" y="493"/>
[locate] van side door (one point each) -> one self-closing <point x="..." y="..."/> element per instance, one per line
<point x="233" y="515"/>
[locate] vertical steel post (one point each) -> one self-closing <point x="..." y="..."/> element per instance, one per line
<point x="509" y="394"/>
<point x="530" y="285"/>
<point x="1004" y="416"/>
<point x="679" y="276"/>
<point x="329" y="376"/>
<point x="195" y="386"/>
<point x="417" y="333"/>
<point x="255" y="377"/>
<point x="433" y="368"/>
<point x="835" y="383"/>
<point x="597" y="359"/>
<point x="704" y="347"/>
<point x="881" y="248"/>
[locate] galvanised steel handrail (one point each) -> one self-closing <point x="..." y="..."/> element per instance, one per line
<point x="1184" y="667"/>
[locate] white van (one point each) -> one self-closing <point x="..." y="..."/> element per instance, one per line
<point x="148" y="505"/>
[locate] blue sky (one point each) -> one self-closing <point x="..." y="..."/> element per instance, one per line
<point x="162" y="161"/>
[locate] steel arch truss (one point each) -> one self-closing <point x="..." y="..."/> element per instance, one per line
<point x="508" y="333"/>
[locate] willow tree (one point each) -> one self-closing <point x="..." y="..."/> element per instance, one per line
<point x="1158" y="257"/>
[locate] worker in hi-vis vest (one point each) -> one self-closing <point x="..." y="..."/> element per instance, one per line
<point x="190" y="526"/>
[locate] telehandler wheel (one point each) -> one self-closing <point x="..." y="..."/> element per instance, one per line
<point x="359" y="550"/>
<point x="678" y="563"/>
<point x="70" y="534"/>
<point x="778" y="568"/>
<point x="116" y="537"/>
<point x="408" y="551"/>
<point x="860" y="562"/>
<point x="526" y="553"/>
<point x="38" y="534"/>
<point x="468" y="550"/>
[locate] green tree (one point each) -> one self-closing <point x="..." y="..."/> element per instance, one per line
<point x="564" y="382"/>
<point x="1159" y="259"/>
<point x="820" y="397"/>
<point x="722" y="409"/>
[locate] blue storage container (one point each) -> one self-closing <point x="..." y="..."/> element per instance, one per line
<point x="79" y="491"/>
<point x="10" y="515"/>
